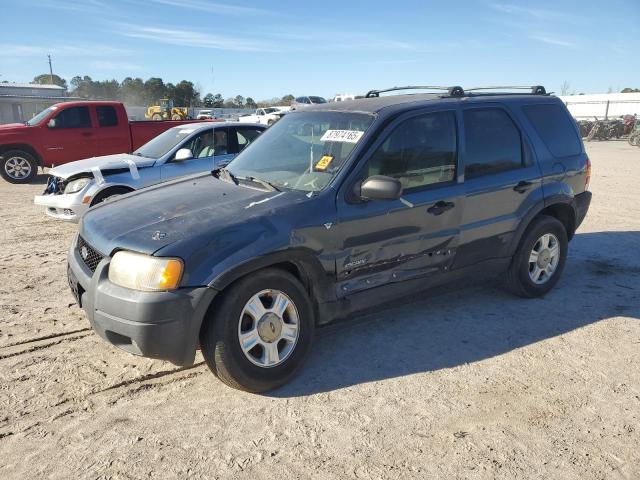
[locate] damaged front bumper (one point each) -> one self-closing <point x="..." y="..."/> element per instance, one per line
<point x="67" y="207"/>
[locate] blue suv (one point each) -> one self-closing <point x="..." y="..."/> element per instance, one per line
<point x="336" y="208"/>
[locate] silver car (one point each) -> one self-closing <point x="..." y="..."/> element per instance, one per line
<point x="184" y="150"/>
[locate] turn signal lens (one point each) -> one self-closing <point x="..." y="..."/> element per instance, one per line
<point x="586" y="181"/>
<point x="145" y="272"/>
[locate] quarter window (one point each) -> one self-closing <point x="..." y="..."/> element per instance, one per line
<point x="107" y="116"/>
<point x="420" y="151"/>
<point x="493" y="142"/>
<point x="73" y="117"/>
<point x="556" y="129"/>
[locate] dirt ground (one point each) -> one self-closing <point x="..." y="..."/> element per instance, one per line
<point x="470" y="383"/>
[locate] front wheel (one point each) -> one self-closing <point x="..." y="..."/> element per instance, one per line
<point x="260" y="331"/>
<point x="18" y="166"/>
<point x="538" y="263"/>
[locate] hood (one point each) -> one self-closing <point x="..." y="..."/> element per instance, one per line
<point x="12" y="126"/>
<point x="108" y="162"/>
<point x="193" y="209"/>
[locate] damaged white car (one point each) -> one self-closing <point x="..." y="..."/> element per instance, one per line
<point x="185" y="150"/>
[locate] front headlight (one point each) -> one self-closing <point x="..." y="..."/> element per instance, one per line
<point x="144" y="272"/>
<point x="75" y="186"/>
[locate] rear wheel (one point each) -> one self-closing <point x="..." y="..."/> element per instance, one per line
<point x="156" y="117"/>
<point x="259" y="332"/>
<point x="538" y="263"/>
<point x="18" y="166"/>
<point x="175" y="116"/>
<point x="634" y="139"/>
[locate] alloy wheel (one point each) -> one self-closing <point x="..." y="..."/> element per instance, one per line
<point x="544" y="258"/>
<point x="268" y="328"/>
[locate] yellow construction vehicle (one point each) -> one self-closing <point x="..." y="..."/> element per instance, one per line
<point x="166" y="111"/>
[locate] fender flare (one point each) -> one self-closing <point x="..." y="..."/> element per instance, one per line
<point x="533" y="212"/>
<point x="109" y="186"/>
<point x="316" y="280"/>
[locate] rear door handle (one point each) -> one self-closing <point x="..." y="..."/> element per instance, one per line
<point x="440" y="207"/>
<point x="522" y="186"/>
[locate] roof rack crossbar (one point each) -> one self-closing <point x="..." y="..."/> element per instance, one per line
<point x="452" y="91"/>
<point x="534" y="89"/>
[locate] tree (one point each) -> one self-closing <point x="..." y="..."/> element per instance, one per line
<point x="250" y="103"/>
<point x="218" y="100"/>
<point x="185" y="94"/>
<point x="82" y="86"/>
<point x="132" y="91"/>
<point x="208" y="100"/>
<point x="154" y="90"/>
<point x="630" y="90"/>
<point x="564" y="88"/>
<point x="238" y="102"/>
<point x="45" y="79"/>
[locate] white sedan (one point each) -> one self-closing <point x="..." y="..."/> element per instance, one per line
<point x="184" y="150"/>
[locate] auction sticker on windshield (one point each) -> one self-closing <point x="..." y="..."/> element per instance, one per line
<point x="348" y="136"/>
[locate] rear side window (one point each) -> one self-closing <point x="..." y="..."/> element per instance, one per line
<point x="555" y="128"/>
<point x="246" y="136"/>
<point x="107" y="116"/>
<point x="73" y="117"/>
<point x="420" y="151"/>
<point x="493" y="142"/>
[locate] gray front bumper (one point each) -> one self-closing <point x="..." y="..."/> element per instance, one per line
<point x="163" y="325"/>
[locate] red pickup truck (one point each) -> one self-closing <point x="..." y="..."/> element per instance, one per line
<point x="72" y="131"/>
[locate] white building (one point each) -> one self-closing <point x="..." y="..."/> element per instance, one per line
<point x="602" y="105"/>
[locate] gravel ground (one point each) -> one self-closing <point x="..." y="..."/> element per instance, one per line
<point x="469" y="383"/>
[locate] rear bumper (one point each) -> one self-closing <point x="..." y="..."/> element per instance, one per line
<point x="162" y="325"/>
<point x="581" y="203"/>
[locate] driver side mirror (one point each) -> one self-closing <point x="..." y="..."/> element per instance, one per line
<point x="183" y="154"/>
<point x="51" y="123"/>
<point x="381" y="187"/>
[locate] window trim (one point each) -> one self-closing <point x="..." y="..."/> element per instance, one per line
<point x="523" y="151"/>
<point x="355" y="175"/>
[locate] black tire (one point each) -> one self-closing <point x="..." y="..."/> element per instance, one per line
<point x="270" y="122"/>
<point x="156" y="117"/>
<point x="14" y="159"/>
<point x="518" y="279"/>
<point x="105" y="195"/>
<point x="219" y="335"/>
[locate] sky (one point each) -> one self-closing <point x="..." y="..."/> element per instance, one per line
<point x="266" y="49"/>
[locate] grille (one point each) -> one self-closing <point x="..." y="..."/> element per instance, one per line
<point x="90" y="256"/>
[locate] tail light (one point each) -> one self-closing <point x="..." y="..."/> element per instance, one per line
<point x="586" y="181"/>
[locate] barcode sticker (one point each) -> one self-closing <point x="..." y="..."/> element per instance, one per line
<point x="348" y="136"/>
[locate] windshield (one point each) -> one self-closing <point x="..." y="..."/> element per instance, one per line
<point x="303" y="151"/>
<point x="317" y="100"/>
<point x="164" y="143"/>
<point x="39" y="117"/>
<point x="270" y="110"/>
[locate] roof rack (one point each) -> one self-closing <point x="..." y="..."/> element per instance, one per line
<point x="452" y="91"/>
<point x="533" y="89"/>
<point x="457" y="91"/>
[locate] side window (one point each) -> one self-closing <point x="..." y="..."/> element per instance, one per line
<point x="420" y="151"/>
<point x="73" y="117"/>
<point x="201" y="145"/>
<point x="555" y="127"/>
<point x="107" y="116"/>
<point x="493" y="142"/>
<point x="246" y="136"/>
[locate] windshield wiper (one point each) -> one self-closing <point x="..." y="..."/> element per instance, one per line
<point x="264" y="183"/>
<point x="236" y="179"/>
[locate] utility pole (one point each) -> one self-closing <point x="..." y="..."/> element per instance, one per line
<point x="50" y="70"/>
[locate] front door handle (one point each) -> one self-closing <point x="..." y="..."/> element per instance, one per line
<point x="440" y="207"/>
<point x="522" y="186"/>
